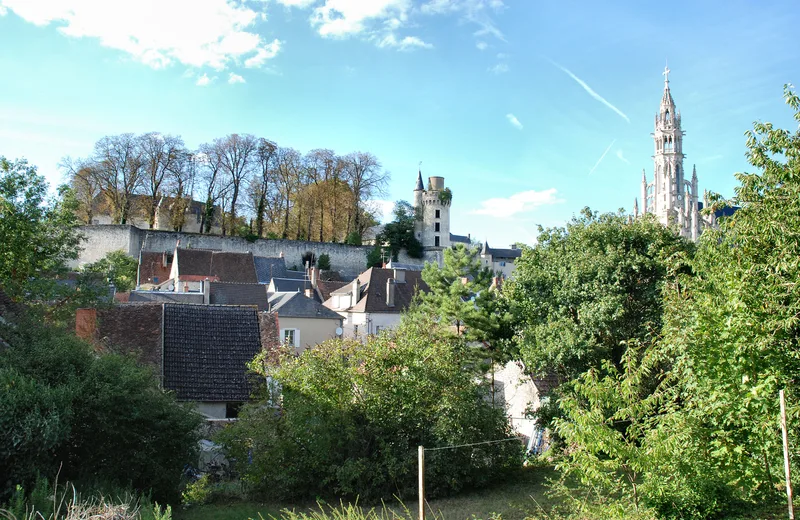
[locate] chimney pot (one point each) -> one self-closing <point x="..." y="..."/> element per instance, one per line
<point x="390" y="290"/>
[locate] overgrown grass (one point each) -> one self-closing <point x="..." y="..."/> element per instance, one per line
<point x="522" y="495"/>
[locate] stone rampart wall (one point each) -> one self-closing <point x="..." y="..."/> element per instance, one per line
<point x="100" y="240"/>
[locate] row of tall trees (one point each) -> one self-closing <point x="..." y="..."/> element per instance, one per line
<point x="246" y="184"/>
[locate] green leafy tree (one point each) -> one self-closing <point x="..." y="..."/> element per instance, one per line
<point x="98" y="418"/>
<point x="39" y="235"/>
<point x="118" y="268"/>
<point x="585" y="289"/>
<point x="352" y="415"/>
<point x="324" y="262"/>
<point x="398" y="234"/>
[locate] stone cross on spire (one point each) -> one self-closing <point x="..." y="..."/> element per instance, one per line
<point x="666" y="75"/>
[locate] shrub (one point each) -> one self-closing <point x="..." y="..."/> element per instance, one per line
<point x="324" y="262"/>
<point x="353" y="415"/>
<point x="103" y="417"/>
<point x="353" y="239"/>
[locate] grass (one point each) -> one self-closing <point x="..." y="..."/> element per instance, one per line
<point x="518" y="497"/>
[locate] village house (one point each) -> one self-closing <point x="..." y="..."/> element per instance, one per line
<point x="198" y="351"/>
<point x="304" y="322"/>
<point x="375" y="299"/>
<point x="165" y="214"/>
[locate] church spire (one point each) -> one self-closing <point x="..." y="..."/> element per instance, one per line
<point x="420" y="186"/>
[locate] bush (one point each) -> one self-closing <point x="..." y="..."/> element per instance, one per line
<point x="324" y="262"/>
<point x="103" y="417"/>
<point x="353" y="239"/>
<point x="353" y="415"/>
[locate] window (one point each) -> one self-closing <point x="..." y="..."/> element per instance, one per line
<point x="291" y="337"/>
<point x="502" y="264"/>
<point x="436" y="227"/>
<point x="232" y="410"/>
<point x="355" y="331"/>
<point x="155" y="279"/>
<point x="438" y="213"/>
<point x="377" y="329"/>
<point x="436" y="241"/>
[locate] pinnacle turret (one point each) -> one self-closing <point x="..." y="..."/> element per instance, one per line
<point x="420" y="186"/>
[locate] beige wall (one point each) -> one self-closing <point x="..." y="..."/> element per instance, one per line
<point x="313" y="331"/>
<point x="211" y="410"/>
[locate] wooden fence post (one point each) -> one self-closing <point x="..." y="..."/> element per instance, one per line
<point x="786" y="465"/>
<point x="422" y="483"/>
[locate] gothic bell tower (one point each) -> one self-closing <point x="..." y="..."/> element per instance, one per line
<point x="670" y="197"/>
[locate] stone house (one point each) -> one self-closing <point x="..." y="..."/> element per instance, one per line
<point x="304" y="322"/>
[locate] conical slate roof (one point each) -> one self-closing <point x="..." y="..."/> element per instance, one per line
<point x="420" y="186"/>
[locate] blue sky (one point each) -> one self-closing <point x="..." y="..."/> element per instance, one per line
<point x="530" y="110"/>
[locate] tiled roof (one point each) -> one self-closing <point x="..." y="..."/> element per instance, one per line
<point x="407" y="267"/>
<point x="325" y="288"/>
<point x="268" y="268"/>
<point x="132" y="329"/>
<point x="295" y="275"/>
<point x="545" y="384"/>
<point x="206" y="351"/>
<point x="373" y="291"/>
<point x="222" y="293"/>
<point x="154" y="267"/>
<point x="296" y="305"/>
<point x="165" y="297"/>
<point x="500" y="253"/>
<point x="227" y="266"/>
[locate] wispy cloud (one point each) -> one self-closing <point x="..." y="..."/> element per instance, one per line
<point x="602" y="157"/>
<point x="591" y="91"/>
<point x="521" y="202"/>
<point x="384" y="209"/>
<point x="235" y="78"/>
<point x="204" y="80"/>
<point x="212" y="33"/>
<point x="622" y="157"/>
<point x="482" y="46"/>
<point x="478" y="12"/>
<point x="514" y="121"/>
<point x="406" y="44"/>
<point x="499" y="68"/>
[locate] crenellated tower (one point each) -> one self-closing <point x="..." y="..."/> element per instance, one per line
<point x="433" y="207"/>
<point x="671" y="197"/>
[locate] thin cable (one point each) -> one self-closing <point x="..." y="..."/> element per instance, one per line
<point x="474" y="444"/>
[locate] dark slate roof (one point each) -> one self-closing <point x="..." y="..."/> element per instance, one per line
<point x="500" y="253"/>
<point x="268" y="268"/>
<point x="222" y="293"/>
<point x="290" y="285"/>
<point x="206" y="351"/>
<point x="407" y="267"/>
<point x="463" y="239"/>
<point x="724" y="212"/>
<point x="420" y="186"/>
<point x="154" y="265"/>
<point x="165" y="297"/>
<point x="296" y="305"/>
<point x="373" y="290"/>
<point x="295" y="275"/>
<point x="227" y="266"/>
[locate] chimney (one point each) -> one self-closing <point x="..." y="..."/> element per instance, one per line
<point x="497" y="283"/>
<point x="390" y="289"/>
<point x="85" y="323"/>
<point x="185" y="286"/>
<point x="309" y="293"/>
<point x="314" y="275"/>
<point x="280" y="255"/>
<point x="206" y="291"/>
<point x="399" y="275"/>
<point x="356" y="292"/>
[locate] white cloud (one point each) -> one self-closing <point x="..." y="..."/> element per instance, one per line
<point x="590" y="91"/>
<point x="296" y="3"/>
<point x="343" y="18"/>
<point x="3" y="10"/>
<point x="478" y="12"/>
<point x="499" y="68"/>
<point x="235" y="78"/>
<point x="514" y="121"/>
<point x="406" y="44"/>
<point x="622" y="157"/>
<point x="158" y="33"/>
<point x="602" y="157"/>
<point x="204" y="80"/>
<point x="264" y="53"/>
<point x="522" y="202"/>
<point x="482" y="46"/>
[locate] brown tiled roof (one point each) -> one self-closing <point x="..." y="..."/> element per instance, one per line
<point x="325" y="288"/>
<point x="373" y="290"/>
<point x="222" y="293"/>
<point x="545" y="384"/>
<point x="154" y="265"/>
<point x="131" y="329"/>
<point x="206" y="351"/>
<point x="226" y="266"/>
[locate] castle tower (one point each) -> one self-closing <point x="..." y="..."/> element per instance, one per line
<point x="671" y="197"/>
<point x="433" y="206"/>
